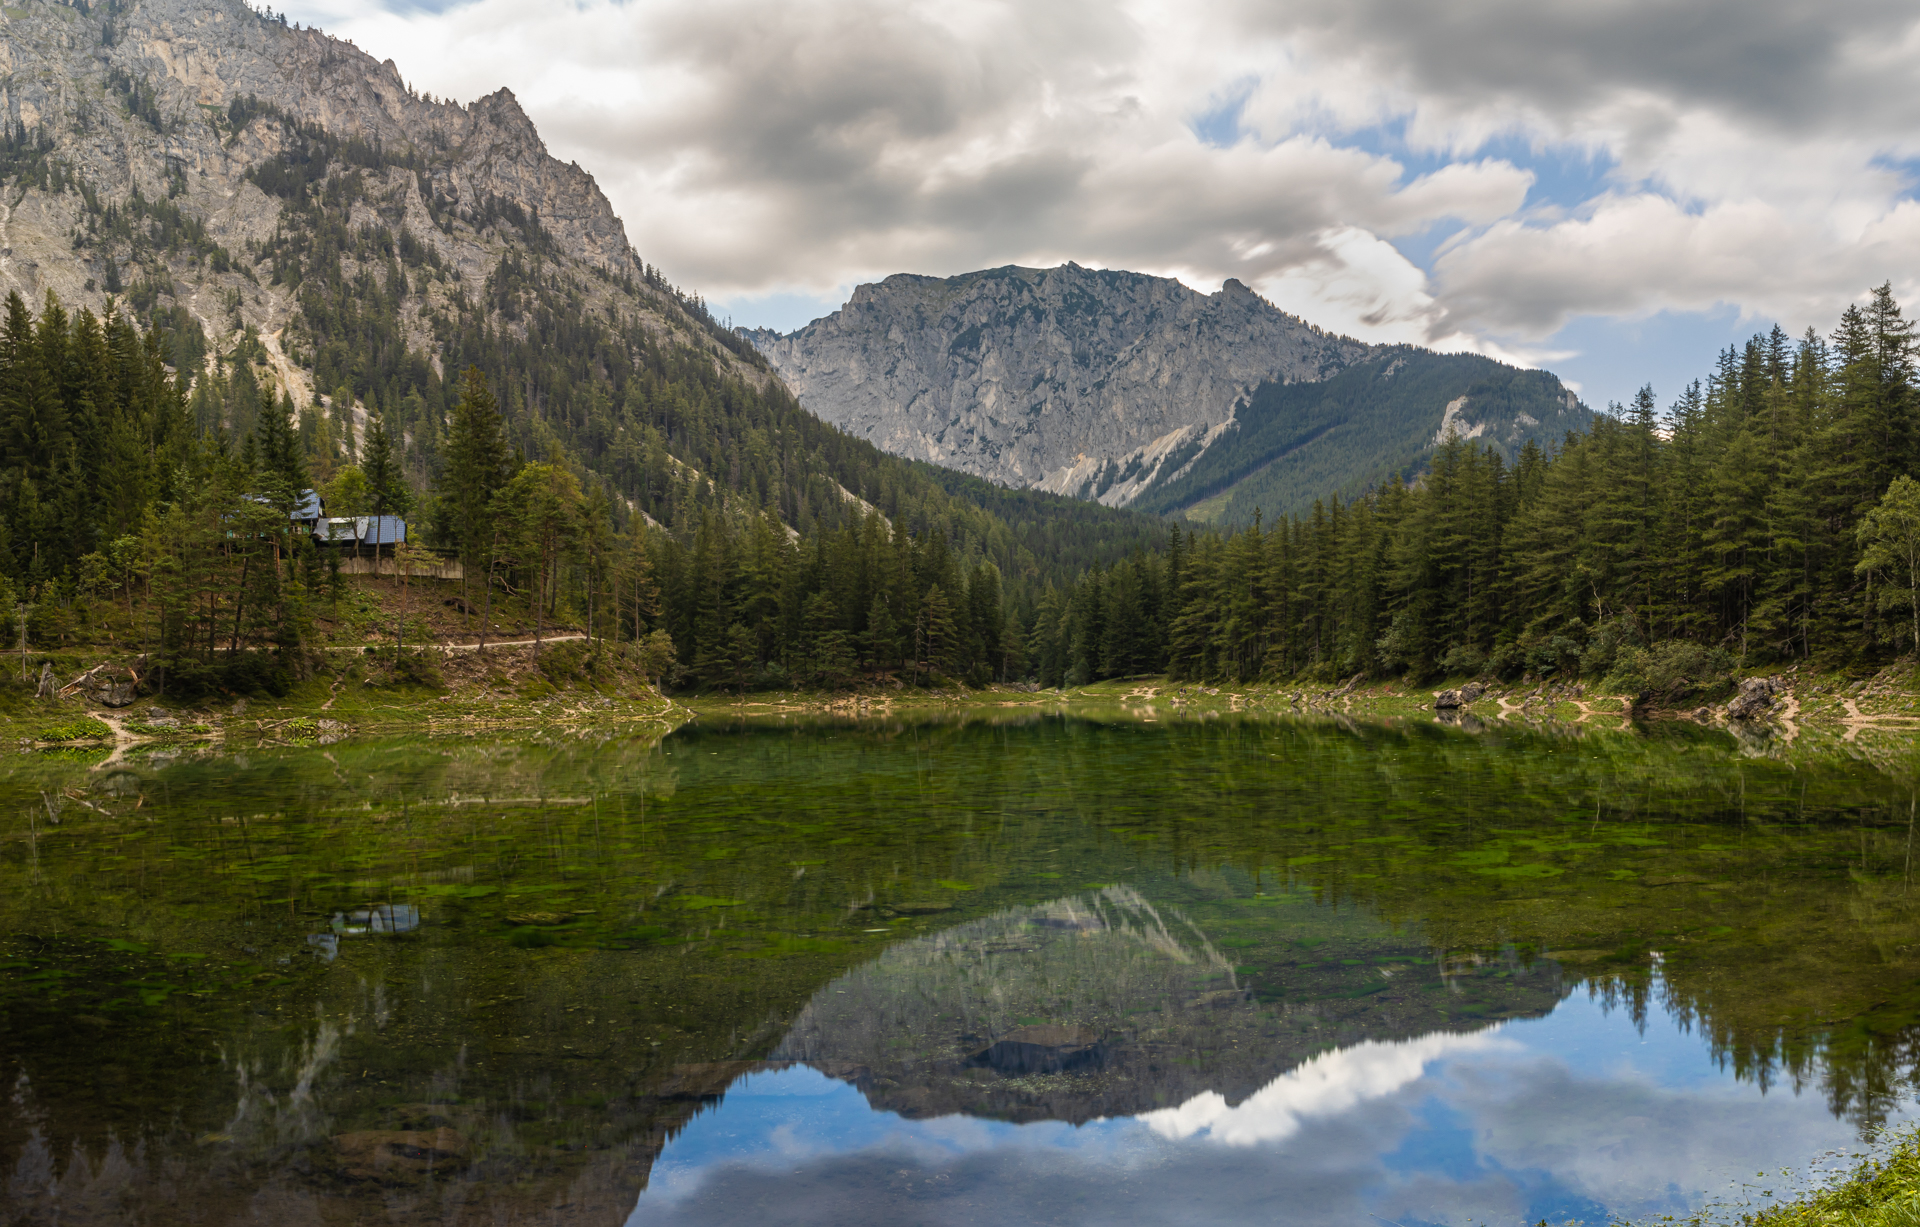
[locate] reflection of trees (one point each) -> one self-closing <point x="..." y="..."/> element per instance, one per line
<point x="1778" y="891"/>
<point x="1774" y="890"/>
<point x="1863" y="1066"/>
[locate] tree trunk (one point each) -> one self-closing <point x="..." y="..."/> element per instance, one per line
<point x="539" y="604"/>
<point x="239" y="603"/>
<point x="486" y="610"/>
<point x="400" y="638"/>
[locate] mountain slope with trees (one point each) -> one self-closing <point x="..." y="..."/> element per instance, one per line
<point x="1769" y="516"/>
<point x="258" y="259"/>
<point x="1292" y="443"/>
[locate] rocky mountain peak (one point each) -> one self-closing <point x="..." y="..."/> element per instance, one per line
<point x="1022" y="374"/>
<point x="71" y="72"/>
<point x="175" y="156"/>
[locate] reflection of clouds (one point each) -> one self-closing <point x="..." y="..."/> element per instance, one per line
<point x="1626" y="1139"/>
<point x="1329" y="1084"/>
<point x="1537" y="1119"/>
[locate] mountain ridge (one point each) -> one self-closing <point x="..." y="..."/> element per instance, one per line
<point x="1118" y="387"/>
<point x="1016" y="374"/>
<point x="302" y="229"/>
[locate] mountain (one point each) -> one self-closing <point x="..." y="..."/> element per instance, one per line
<point x="1022" y="375"/>
<point x="1136" y="391"/>
<point x="292" y="218"/>
<point x="1291" y="443"/>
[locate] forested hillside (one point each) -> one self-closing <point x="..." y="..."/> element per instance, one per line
<point x="1768" y="516"/>
<point x="668" y="428"/>
<point x="303" y="308"/>
<point x="1291" y="443"/>
<point x="122" y="487"/>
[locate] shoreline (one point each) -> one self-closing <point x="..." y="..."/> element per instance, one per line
<point x="506" y="687"/>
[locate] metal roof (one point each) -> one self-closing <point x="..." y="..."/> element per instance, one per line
<point x="343" y="529"/>
<point x="361" y="530"/>
<point x="309" y="507"/>
<point x="381" y="530"/>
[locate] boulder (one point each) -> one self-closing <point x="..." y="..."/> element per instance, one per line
<point x="107" y="685"/>
<point x="1447" y="700"/>
<point x="1755" y="697"/>
<point x="1471" y="691"/>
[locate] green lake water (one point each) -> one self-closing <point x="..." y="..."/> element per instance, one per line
<point x="1034" y="969"/>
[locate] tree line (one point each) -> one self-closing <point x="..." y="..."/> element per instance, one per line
<point x="122" y="483"/>
<point x="1767" y="516"/>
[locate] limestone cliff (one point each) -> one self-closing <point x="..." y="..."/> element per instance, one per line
<point x="1026" y="376"/>
<point x="147" y="115"/>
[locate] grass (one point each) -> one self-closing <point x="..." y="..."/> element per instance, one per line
<point x="83" y="729"/>
<point x="1882" y="1192"/>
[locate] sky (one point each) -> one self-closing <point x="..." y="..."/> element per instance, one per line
<point x="1611" y="189"/>
<point x="1447" y="1127"/>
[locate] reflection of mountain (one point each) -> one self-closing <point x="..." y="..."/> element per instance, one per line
<point x="1774" y="906"/>
<point x="1095" y="1005"/>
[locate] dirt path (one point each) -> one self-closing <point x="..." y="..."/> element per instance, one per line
<point x="1857" y="720"/>
<point x="1790" y="715"/>
<point x="122" y="740"/>
<point x="1587" y="713"/>
<point x="471" y="647"/>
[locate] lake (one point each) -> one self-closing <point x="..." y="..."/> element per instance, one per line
<point x="1022" y="969"/>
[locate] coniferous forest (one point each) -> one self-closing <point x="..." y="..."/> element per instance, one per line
<point x="1765" y="516"/>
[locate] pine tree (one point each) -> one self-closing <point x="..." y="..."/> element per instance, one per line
<point x="386" y="487"/>
<point x="277" y="451"/>
<point x="476" y="468"/>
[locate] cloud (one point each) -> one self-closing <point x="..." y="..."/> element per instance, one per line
<point x="1757" y="151"/>
<point x="1330" y="1084"/>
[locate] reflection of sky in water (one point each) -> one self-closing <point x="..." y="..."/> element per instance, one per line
<point x="1565" y="1117"/>
<point x="380" y="918"/>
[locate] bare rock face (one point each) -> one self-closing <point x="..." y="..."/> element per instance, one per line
<point x="196" y="57"/>
<point x="174" y="102"/>
<point x="1027" y="376"/>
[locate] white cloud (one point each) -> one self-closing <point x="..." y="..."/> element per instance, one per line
<point x="761" y="146"/>
<point x="1330" y="1084"/>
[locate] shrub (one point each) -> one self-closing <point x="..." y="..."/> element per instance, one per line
<point x="415" y="668"/>
<point x="76" y="730"/>
<point x="1606" y="643"/>
<point x="1671" y="670"/>
<point x="565" y="662"/>
<point x="418" y="669"/>
<point x="1555" y="654"/>
<point x="1464" y="659"/>
<point x="1508" y="661"/>
<point x="249" y="673"/>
